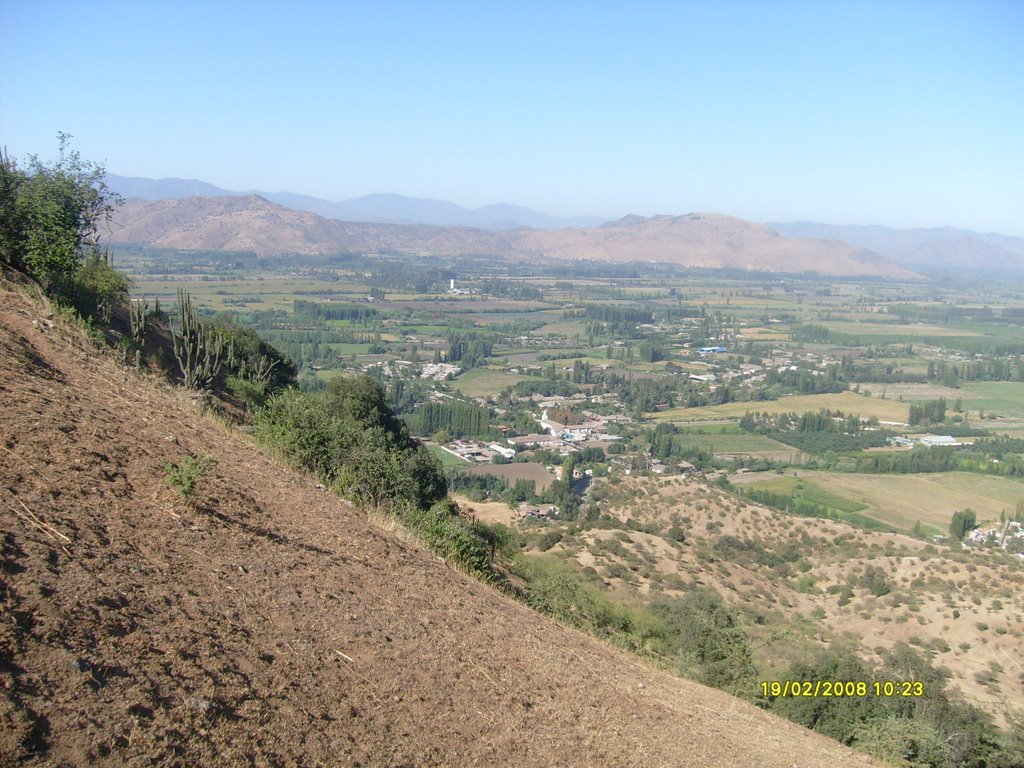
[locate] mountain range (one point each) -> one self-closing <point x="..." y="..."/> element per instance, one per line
<point x="392" y="222"/>
<point x="943" y="249"/>
<point x="383" y="208"/>
<point x="252" y="223"/>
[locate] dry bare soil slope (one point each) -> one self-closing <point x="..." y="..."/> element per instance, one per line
<point x="712" y="241"/>
<point x="271" y="624"/>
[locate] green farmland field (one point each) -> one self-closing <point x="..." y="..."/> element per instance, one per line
<point x="902" y="500"/>
<point x="480" y="382"/>
<point x="739" y="443"/>
<point x="447" y="459"/>
<point x="1004" y="396"/>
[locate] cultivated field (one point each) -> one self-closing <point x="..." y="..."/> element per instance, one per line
<point x="849" y="403"/>
<point x="1005" y="397"/>
<point x="481" y="382"/>
<point x="741" y="444"/>
<point x="447" y="458"/>
<point x="902" y="500"/>
<point x="903" y="332"/>
<point x="512" y="472"/>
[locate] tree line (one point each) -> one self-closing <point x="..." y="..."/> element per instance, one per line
<point x="457" y="418"/>
<point x="318" y="310"/>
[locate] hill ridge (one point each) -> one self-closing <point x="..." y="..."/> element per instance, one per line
<point x="694" y="240"/>
<point x="920" y="248"/>
<point x="271" y="622"/>
<point x="376" y="207"/>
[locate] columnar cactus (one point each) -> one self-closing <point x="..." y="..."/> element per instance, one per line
<point x="198" y="351"/>
<point x="138" y="320"/>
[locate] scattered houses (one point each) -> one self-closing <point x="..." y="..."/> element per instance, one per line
<point x="439" y="371"/>
<point x="540" y="441"/>
<point x="547" y="511"/>
<point x="1008" y="536"/>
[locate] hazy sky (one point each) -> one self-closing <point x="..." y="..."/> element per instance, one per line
<point x="899" y="113"/>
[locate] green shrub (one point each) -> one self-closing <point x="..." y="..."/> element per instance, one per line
<point x="963" y="522"/>
<point x="450" y="536"/>
<point x="252" y="394"/>
<point x="184" y="475"/>
<point x="95" y="288"/>
<point x="548" y="540"/>
<point x="555" y="589"/>
<point x="708" y="641"/>
<point x="894" y="740"/>
<point x="351" y="439"/>
<point x="252" y="359"/>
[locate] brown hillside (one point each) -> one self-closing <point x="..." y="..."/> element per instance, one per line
<point x="272" y="624"/>
<point x="697" y="240"/>
<point x="927" y="583"/>
<point x="254" y="224"/>
<point x="710" y="241"/>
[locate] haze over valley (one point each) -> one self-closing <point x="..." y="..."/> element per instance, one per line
<point x="444" y="228"/>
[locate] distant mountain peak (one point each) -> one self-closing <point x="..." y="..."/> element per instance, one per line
<point x="380" y="207"/>
<point x="936" y="249"/>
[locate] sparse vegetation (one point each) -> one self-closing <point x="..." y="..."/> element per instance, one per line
<point x="184" y="475"/>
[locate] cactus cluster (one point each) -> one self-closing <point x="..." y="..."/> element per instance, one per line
<point x="257" y="370"/>
<point x="198" y="350"/>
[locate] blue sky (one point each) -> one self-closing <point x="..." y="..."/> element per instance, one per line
<point x="897" y="113"/>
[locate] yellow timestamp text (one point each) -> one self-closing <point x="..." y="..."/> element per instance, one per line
<point x="812" y="689"/>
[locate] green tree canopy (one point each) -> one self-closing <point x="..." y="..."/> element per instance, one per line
<point x="962" y="523"/>
<point x="52" y="214"/>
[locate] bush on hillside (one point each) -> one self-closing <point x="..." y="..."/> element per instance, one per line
<point x="253" y="359"/>
<point x="933" y="730"/>
<point x="50" y="221"/>
<point x="706" y="636"/>
<point x="451" y="536"/>
<point x="555" y="590"/>
<point x="349" y="437"/>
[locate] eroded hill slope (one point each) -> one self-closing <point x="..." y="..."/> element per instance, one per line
<point x="271" y="624"/>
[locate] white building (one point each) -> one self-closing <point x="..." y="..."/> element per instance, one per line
<point x="933" y="441"/>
